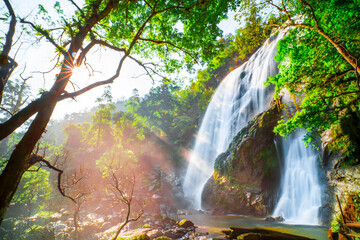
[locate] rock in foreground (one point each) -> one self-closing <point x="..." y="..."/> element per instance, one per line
<point x="258" y="233"/>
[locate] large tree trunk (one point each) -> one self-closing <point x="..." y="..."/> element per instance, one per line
<point x="18" y="162"/>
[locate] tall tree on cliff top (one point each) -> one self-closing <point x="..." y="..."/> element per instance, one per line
<point x="319" y="63"/>
<point x="145" y="29"/>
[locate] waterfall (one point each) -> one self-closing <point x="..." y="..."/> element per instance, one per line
<point x="300" y="197"/>
<point x="240" y="97"/>
<point x="237" y="100"/>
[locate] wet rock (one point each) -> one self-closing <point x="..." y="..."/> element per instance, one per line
<point x="266" y="234"/>
<point x="270" y="219"/>
<point x="250" y="236"/>
<point x="342" y="180"/>
<point x="154" y="233"/>
<point x="185" y="223"/>
<point x="246" y="176"/>
<point x="175" y="233"/>
<point x="279" y="219"/>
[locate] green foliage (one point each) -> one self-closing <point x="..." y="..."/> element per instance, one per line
<point x="34" y="188"/>
<point x="16" y="94"/>
<point x="116" y="159"/>
<point x="336" y="223"/>
<point x="314" y="72"/>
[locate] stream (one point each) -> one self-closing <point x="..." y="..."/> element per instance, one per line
<point x="213" y="224"/>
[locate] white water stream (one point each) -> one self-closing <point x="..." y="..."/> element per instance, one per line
<point x="238" y="99"/>
<point x="300" y="196"/>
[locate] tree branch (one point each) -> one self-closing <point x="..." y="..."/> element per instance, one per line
<point x="45" y="34"/>
<point x="91" y="44"/>
<point x="83" y="53"/>
<point x="60" y="172"/>
<point x="159" y="42"/>
<point x="20" y="117"/>
<point x="311" y="11"/>
<point x="96" y="84"/>
<point x="78" y="8"/>
<point x="6" y="111"/>
<point x="11" y="31"/>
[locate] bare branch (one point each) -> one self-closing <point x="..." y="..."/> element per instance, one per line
<point x="91" y="44"/>
<point x="83" y="53"/>
<point x="159" y="42"/>
<point x="142" y="65"/>
<point x="60" y="172"/>
<point x="78" y="8"/>
<point x="11" y="31"/>
<point x="45" y="34"/>
<point x="6" y="111"/>
<point x="103" y="43"/>
<point x="96" y="84"/>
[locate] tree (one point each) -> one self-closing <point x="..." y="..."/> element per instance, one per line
<point x="319" y="67"/>
<point x="7" y="64"/>
<point x="118" y="166"/>
<point x="143" y="28"/>
<point x="76" y="184"/>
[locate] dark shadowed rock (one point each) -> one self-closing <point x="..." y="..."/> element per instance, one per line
<point x="265" y="234"/>
<point x="246" y="176"/>
<point x="250" y="236"/>
<point x="185" y="223"/>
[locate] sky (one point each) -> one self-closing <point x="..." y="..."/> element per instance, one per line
<point x="36" y="58"/>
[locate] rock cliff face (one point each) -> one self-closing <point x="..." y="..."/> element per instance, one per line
<point x="343" y="182"/>
<point x="246" y="175"/>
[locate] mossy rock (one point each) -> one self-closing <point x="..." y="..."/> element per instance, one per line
<point x="141" y="237"/>
<point x="246" y="176"/>
<point x="250" y="236"/>
<point x="185" y="223"/>
<point x="163" y="238"/>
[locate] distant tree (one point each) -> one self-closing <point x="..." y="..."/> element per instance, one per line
<point x="15" y="95"/>
<point x="118" y="166"/>
<point x="132" y="28"/>
<point x="76" y="184"/>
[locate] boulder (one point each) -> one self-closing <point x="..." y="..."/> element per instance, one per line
<point x="175" y="233"/>
<point x="154" y="233"/>
<point x="265" y="234"/>
<point x="250" y="236"/>
<point x="279" y="219"/>
<point x="185" y="223"/>
<point x="247" y="175"/>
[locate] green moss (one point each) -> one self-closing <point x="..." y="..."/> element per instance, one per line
<point x="163" y="238"/>
<point x="141" y="237"/>
<point x="336" y="223"/>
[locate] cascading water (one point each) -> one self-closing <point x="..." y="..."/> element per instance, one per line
<point x="238" y="99"/>
<point x="300" y="197"/>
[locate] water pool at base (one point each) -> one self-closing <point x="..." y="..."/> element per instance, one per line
<point x="215" y="223"/>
